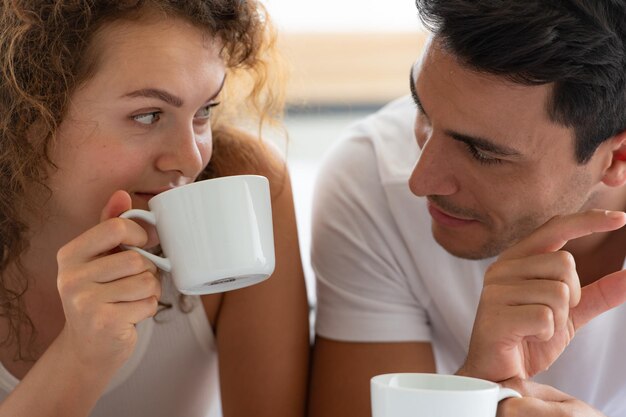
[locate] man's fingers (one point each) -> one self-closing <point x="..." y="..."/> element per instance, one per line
<point x="537" y="400"/>
<point x="554" y="234"/>
<point x="555" y="295"/>
<point x="523" y="321"/>
<point x="553" y="266"/>
<point x="533" y="389"/>
<point x="529" y="406"/>
<point x="599" y="297"/>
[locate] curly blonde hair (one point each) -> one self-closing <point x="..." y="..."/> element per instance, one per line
<point x="47" y="52"/>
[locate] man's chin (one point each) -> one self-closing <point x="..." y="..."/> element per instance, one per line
<point x="461" y="248"/>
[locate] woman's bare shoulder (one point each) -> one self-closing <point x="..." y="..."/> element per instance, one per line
<point x="237" y="152"/>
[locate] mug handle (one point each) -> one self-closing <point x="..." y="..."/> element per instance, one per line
<point x="161" y="262"/>
<point x="508" y="393"/>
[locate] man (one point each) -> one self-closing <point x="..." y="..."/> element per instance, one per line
<point x="510" y="239"/>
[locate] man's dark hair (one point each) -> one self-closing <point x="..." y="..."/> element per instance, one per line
<point x="579" y="45"/>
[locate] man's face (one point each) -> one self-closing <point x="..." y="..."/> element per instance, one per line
<point x="493" y="166"/>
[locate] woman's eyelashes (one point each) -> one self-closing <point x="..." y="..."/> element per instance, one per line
<point x="147" y="118"/>
<point x="205" y="111"/>
<point x="150" y="118"/>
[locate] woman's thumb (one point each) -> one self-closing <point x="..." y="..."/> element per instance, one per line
<point x="118" y="203"/>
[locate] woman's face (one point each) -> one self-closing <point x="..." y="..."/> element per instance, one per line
<point x="140" y="124"/>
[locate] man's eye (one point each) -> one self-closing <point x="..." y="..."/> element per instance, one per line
<point x="147" y="118"/>
<point x="481" y="157"/>
<point x="205" y="112"/>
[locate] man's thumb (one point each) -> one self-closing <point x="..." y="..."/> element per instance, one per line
<point x="598" y="297"/>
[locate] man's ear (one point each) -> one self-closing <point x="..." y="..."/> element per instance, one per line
<point x="615" y="173"/>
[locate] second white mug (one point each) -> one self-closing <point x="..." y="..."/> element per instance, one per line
<point x="435" y="395"/>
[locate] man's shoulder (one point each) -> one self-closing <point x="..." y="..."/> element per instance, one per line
<point x="363" y="182"/>
<point x="384" y="141"/>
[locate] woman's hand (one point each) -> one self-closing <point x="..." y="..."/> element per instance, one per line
<point x="532" y="301"/>
<point x="104" y="291"/>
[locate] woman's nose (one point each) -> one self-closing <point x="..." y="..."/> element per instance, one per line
<point x="186" y="152"/>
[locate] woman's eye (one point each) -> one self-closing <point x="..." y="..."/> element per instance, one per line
<point x="147" y="118"/>
<point x="205" y="112"/>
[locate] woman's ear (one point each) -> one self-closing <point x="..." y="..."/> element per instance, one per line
<point x="615" y="173"/>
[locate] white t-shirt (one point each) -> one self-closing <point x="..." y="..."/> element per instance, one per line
<point x="381" y="276"/>
<point x="173" y="370"/>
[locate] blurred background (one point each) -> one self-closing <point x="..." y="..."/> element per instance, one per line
<point x="348" y="58"/>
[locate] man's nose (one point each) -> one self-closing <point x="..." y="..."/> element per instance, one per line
<point x="433" y="174"/>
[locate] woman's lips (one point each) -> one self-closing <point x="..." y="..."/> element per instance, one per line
<point x="145" y="196"/>
<point x="447" y="220"/>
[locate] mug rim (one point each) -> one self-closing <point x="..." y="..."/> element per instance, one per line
<point x="201" y="183"/>
<point x="383" y="380"/>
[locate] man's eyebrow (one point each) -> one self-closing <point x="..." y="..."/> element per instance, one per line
<point x="484" y="144"/>
<point x="416" y="98"/>
<point x="167" y="97"/>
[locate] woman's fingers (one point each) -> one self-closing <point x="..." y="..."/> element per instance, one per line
<point x="118" y="203"/>
<point x="132" y="288"/>
<point x="105" y="292"/>
<point x="112" y="267"/>
<point x="101" y="239"/>
<point x="139" y="310"/>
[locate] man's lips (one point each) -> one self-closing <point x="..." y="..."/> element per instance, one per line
<point x="446" y="219"/>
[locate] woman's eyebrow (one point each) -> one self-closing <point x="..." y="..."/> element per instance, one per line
<point x="158" y="94"/>
<point x="168" y="97"/>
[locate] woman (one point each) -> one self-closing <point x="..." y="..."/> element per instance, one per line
<point x="102" y="105"/>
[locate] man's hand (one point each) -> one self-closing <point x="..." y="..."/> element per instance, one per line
<point x="532" y="302"/>
<point x="542" y="401"/>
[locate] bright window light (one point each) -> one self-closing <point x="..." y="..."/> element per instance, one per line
<point x="344" y="15"/>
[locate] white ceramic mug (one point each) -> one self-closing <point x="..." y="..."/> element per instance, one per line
<point x="216" y="235"/>
<point x="434" y="395"/>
